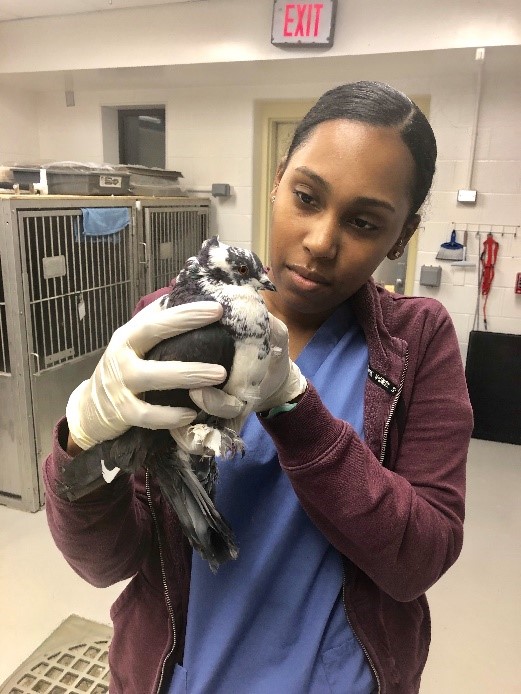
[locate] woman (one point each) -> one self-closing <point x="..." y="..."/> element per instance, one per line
<point x="349" y="503"/>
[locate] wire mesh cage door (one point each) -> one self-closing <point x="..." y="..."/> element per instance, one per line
<point x="77" y="291"/>
<point x="9" y="474"/>
<point x="172" y="234"/>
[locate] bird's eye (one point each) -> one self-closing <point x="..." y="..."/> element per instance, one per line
<point x="243" y="269"/>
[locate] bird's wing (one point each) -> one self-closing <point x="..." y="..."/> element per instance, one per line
<point x="211" y="344"/>
<point x="100" y="464"/>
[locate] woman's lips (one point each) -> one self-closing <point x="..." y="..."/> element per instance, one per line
<point x="308" y="277"/>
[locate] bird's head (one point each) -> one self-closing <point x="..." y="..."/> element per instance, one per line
<point x="220" y="263"/>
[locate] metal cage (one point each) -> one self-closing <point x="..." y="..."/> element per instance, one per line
<point x="62" y="295"/>
<point x="79" y="288"/>
<point x="171" y="236"/>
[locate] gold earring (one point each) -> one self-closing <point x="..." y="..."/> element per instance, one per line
<point x="272" y="199"/>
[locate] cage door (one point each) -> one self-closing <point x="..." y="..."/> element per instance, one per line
<point x="171" y="236"/>
<point x="77" y="291"/>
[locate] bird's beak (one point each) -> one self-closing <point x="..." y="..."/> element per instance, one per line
<point x="267" y="283"/>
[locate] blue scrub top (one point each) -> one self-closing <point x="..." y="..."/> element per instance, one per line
<point x="273" y="621"/>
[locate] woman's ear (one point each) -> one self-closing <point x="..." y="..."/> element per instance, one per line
<point x="408" y="230"/>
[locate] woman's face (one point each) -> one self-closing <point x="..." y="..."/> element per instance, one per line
<point x="342" y="204"/>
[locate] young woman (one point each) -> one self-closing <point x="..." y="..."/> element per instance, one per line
<point x="349" y="503"/>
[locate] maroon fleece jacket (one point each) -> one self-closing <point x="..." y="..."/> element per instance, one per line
<point x="394" y="505"/>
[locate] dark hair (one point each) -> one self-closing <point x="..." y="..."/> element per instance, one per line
<point x="380" y="105"/>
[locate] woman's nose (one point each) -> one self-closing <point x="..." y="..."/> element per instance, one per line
<point x="321" y="239"/>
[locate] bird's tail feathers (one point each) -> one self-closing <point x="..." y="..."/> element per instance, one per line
<point x="205" y="528"/>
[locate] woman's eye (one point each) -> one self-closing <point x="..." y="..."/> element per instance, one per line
<point x="361" y="223"/>
<point x="305" y="198"/>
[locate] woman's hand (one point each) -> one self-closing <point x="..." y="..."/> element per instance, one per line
<point x="107" y="404"/>
<point x="283" y="382"/>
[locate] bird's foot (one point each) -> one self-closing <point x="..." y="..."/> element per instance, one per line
<point x="231" y="443"/>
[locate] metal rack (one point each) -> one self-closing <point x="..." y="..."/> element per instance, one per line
<point x="62" y="295"/>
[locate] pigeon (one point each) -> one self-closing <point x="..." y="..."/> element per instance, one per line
<point x="183" y="460"/>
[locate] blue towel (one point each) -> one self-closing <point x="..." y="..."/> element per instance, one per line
<point x="104" y="222"/>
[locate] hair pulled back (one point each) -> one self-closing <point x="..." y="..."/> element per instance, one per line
<point x="379" y="105"/>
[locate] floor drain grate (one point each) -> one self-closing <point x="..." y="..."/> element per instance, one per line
<point x="69" y="669"/>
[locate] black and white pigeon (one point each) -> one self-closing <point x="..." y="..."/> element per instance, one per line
<point x="185" y="468"/>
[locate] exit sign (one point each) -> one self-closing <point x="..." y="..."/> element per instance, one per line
<point x="303" y="24"/>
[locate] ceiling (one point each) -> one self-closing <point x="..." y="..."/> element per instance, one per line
<point x="28" y="9"/>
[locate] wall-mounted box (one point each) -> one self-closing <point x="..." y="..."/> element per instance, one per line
<point x="467" y="196"/>
<point x="430" y="275"/>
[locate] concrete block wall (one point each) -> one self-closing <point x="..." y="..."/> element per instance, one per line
<point x="497" y="178"/>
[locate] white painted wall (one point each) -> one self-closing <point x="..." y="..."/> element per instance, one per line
<point x="19" y="138"/>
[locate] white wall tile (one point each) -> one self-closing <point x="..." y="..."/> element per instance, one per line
<point x="234" y="229"/>
<point x="505" y="143"/>
<point x="483" y="144"/>
<point x="505" y="270"/>
<point x="444" y="176"/>
<point x="497" y="177"/>
<point x="453" y="141"/>
<point x="505" y="325"/>
<point x="511" y="307"/>
<point x="203" y="171"/>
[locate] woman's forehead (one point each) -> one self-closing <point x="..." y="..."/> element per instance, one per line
<point x="345" y="152"/>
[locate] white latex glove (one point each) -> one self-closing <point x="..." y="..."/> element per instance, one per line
<point x="283" y="382"/>
<point x="217" y="402"/>
<point x="106" y="405"/>
<point x="197" y="439"/>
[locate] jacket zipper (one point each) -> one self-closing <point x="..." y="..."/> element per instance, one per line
<point x="373" y="668"/>
<point x="165" y="584"/>
<point x="385" y="439"/>
<point x="385" y="436"/>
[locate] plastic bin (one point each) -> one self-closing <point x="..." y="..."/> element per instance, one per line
<point x="25" y="175"/>
<point x="87" y="183"/>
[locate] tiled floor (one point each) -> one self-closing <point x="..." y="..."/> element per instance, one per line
<point x="476" y="607"/>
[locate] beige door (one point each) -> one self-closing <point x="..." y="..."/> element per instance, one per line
<point x="275" y="123"/>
